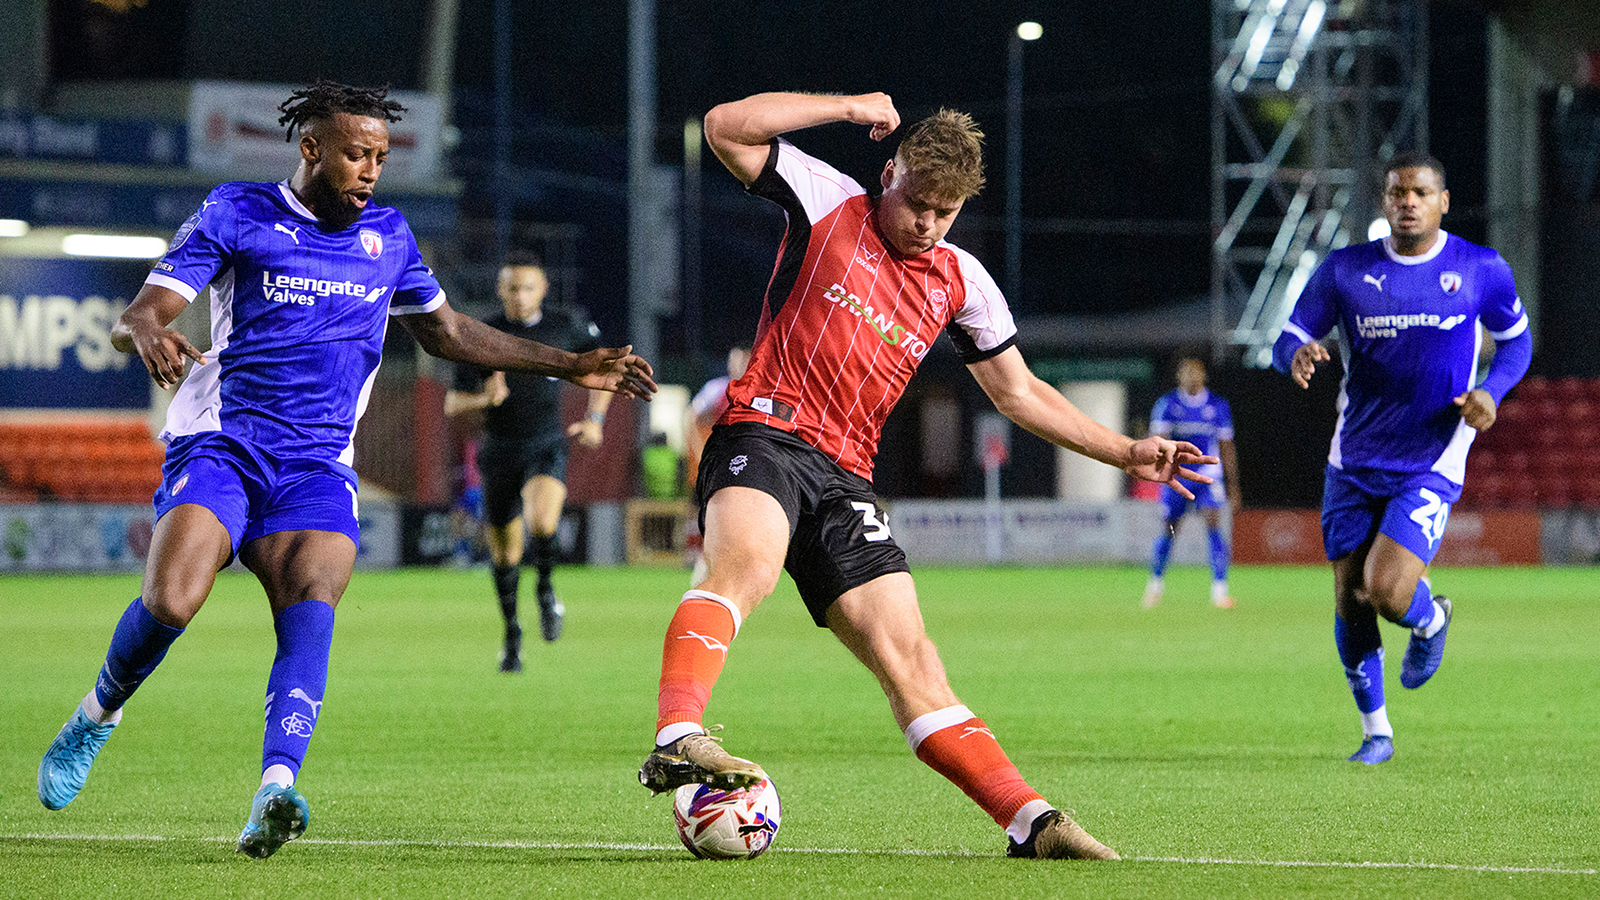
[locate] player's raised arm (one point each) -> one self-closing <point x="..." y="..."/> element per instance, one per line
<point x="740" y="132"/>
<point x="1036" y="406"/>
<point x="448" y="334"/>
<point x="142" y="329"/>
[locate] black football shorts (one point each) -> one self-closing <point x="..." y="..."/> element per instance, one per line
<point x="838" y="535"/>
<point x="507" y="465"/>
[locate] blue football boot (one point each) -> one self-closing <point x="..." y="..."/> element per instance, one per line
<point x="1379" y="748"/>
<point x="278" y="815"/>
<point x="66" y="763"/>
<point x="1423" y="655"/>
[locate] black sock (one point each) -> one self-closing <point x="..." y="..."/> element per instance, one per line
<point x="505" y="587"/>
<point x="544" y="557"/>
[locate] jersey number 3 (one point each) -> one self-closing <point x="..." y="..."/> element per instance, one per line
<point x="876" y="529"/>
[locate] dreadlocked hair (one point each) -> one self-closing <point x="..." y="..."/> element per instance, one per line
<point x="323" y="98"/>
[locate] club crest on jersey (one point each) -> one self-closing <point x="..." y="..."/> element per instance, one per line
<point x="938" y="301"/>
<point x="1450" y="281"/>
<point x="372" y="242"/>
<point x="184" y="230"/>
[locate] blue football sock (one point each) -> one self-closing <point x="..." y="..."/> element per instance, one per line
<point x="1421" y="611"/>
<point x="1361" y="650"/>
<point x="295" y="687"/>
<point x="1219" y="556"/>
<point x="137" y="647"/>
<point x="1161" y="551"/>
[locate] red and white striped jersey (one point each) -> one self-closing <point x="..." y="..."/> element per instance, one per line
<point x="847" y="320"/>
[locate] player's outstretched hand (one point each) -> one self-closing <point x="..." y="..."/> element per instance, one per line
<point x="1477" y="408"/>
<point x="876" y="110"/>
<point x="166" y="353"/>
<point x="1305" y="362"/>
<point x="587" y="432"/>
<point x="1157" y="459"/>
<point x="495" y="388"/>
<point x="616" y="369"/>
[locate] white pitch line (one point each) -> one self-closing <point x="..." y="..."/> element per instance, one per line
<point x="831" y="851"/>
<point x="1311" y="864"/>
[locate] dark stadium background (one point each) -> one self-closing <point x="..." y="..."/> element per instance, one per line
<point x="1116" y="112"/>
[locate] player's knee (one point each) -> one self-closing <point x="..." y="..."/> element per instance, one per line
<point x="1391" y="597"/>
<point x="174" y="605"/>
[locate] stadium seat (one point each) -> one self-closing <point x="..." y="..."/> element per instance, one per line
<point x="1569" y="390"/>
<point x="1554" y="494"/>
<point x="1586" y="492"/>
<point x="1533" y="387"/>
<point x="1521" y="492"/>
<point x="111" y="460"/>
<point x="1483" y="491"/>
<point x="1514" y="461"/>
<point x="1579" y="411"/>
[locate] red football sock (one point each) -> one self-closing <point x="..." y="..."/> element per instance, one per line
<point x="957" y="745"/>
<point x="692" y="656"/>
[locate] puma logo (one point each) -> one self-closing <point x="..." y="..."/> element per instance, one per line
<point x="710" y="642"/>
<point x="1375" y="282"/>
<point x="295" y="233"/>
<point x="316" y="705"/>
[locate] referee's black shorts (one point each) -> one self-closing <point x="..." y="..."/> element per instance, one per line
<point x="838" y="535"/>
<point x="507" y="465"/>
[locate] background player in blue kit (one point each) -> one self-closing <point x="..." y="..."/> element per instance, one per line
<point x="1192" y="413"/>
<point x="303" y="277"/>
<point x="523" y="458"/>
<point x="1409" y="309"/>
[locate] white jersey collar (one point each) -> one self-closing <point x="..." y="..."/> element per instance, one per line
<point x="1194" y="400"/>
<point x="1438" y="246"/>
<point x="293" y="201"/>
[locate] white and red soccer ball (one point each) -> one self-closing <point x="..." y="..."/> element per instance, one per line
<point x="718" y="824"/>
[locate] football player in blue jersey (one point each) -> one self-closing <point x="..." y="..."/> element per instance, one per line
<point x="1410" y="309"/>
<point x="302" y="276"/>
<point x="1194" y="414"/>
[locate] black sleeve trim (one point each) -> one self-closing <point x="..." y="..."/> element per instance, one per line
<point x="968" y="350"/>
<point x="763" y="185"/>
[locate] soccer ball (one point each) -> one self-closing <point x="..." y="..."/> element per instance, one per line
<point x="717" y="824"/>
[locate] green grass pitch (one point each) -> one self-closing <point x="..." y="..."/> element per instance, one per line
<point x="1207" y="746"/>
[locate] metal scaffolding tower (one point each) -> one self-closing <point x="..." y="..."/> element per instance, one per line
<point x="1309" y="99"/>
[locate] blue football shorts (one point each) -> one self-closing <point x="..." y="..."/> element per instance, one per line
<point x="253" y="492"/>
<point x="1206" y="496"/>
<point x="1410" y="509"/>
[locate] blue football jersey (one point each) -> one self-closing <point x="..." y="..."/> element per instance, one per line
<point x="1410" y="337"/>
<point x="297" y="316"/>
<point x="1202" y="419"/>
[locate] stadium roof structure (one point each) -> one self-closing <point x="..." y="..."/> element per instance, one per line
<point x="1309" y="99"/>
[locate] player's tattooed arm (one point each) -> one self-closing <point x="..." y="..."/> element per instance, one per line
<point x="142" y="330"/>
<point x="449" y="334"/>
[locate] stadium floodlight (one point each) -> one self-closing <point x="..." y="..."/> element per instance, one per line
<point x="13" y="228"/>
<point x="1030" y="31"/>
<point x="1378" y="229"/>
<point x="115" y="246"/>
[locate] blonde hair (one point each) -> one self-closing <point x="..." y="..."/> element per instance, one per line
<point x="944" y="154"/>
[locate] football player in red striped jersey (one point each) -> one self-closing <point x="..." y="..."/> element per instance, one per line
<point x="862" y="287"/>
